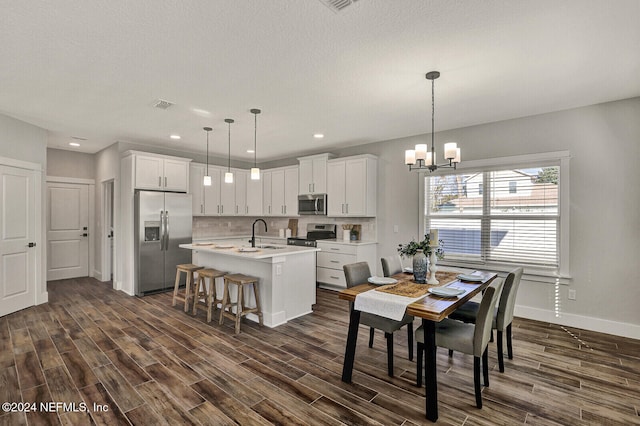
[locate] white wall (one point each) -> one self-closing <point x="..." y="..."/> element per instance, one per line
<point x="26" y="142"/>
<point x="604" y="142"/>
<point x="70" y="164"/>
<point x="107" y="168"/>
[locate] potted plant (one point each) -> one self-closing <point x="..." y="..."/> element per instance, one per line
<point x="420" y="250"/>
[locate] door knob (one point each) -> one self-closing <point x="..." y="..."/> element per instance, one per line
<point x="84" y="235"/>
<point x="31" y="245"/>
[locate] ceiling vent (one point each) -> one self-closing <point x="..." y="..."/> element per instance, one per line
<point x="337" y="5"/>
<point x="78" y="138"/>
<point x="162" y="104"/>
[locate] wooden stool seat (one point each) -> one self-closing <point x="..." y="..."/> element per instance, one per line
<point x="188" y="269"/>
<point x="208" y="294"/>
<point x="241" y="309"/>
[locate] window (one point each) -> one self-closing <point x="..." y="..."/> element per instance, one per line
<point x="498" y="215"/>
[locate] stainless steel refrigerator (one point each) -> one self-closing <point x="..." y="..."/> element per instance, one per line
<point x="162" y="223"/>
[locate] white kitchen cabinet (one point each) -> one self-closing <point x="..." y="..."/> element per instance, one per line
<point x="254" y="196"/>
<point x="280" y="191"/>
<point x="313" y="174"/>
<point x="196" y="188"/>
<point x="240" y="181"/>
<point x="227" y="196"/>
<point x="161" y="173"/>
<point x="212" y="193"/>
<point x="351" y="186"/>
<point x="335" y="254"/>
<point x="267" y="206"/>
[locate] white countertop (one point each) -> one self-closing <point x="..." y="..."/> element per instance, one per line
<point x="275" y="250"/>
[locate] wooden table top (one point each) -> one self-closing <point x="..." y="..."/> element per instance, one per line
<point x="431" y="307"/>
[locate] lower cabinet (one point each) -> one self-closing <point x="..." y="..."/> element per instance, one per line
<point x="334" y="255"/>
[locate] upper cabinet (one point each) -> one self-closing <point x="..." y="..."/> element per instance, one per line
<point x="196" y="188"/>
<point x="351" y="186"/>
<point x="241" y="198"/>
<point x="280" y="192"/>
<point x="160" y="173"/>
<point x="313" y="174"/>
<point x="254" y="196"/>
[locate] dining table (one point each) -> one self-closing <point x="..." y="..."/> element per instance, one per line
<point x="431" y="309"/>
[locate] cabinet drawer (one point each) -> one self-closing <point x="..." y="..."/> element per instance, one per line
<point x="337" y="248"/>
<point x="331" y="276"/>
<point x="334" y="260"/>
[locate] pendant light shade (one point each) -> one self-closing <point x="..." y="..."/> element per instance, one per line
<point x="207" y="177"/>
<point x="255" y="171"/>
<point x="228" y="176"/>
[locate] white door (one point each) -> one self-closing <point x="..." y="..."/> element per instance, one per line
<point x="355" y="187"/>
<point x="176" y="175"/>
<point x="17" y="239"/>
<point x="67" y="230"/>
<point x="336" y="188"/>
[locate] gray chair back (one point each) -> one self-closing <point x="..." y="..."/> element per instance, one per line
<point x="482" y="332"/>
<point x="356" y="273"/>
<point x="391" y="265"/>
<point x="508" y="299"/>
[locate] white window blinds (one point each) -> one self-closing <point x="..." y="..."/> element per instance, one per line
<point x="506" y="215"/>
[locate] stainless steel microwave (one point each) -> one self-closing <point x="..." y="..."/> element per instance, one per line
<point x="315" y="204"/>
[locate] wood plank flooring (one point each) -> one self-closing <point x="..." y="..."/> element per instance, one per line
<point x="152" y="364"/>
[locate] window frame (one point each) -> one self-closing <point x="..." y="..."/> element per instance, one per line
<point x="557" y="158"/>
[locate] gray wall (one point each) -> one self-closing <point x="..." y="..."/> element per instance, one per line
<point x="71" y="164"/>
<point x="22" y="141"/>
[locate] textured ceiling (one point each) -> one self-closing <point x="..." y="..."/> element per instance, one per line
<point x="93" y="69"/>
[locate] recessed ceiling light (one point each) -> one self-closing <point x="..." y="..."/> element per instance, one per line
<point x="74" y="144"/>
<point x="318" y="135"/>
<point x="250" y="151"/>
<point x="175" y="137"/>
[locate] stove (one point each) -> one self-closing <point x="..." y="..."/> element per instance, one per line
<point x="315" y="231"/>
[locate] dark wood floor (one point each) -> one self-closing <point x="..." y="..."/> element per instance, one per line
<point x="152" y="364"/>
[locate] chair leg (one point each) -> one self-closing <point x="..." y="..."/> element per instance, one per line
<point x="420" y="354"/>
<point x="476" y="381"/>
<point x="450" y="353"/>
<point x="389" y="337"/>
<point x="371" y="331"/>
<point x="175" y="289"/>
<point x="500" y="354"/>
<point x="225" y="302"/>
<point x="187" y="291"/>
<point x="485" y="366"/>
<point x="410" y="340"/>
<point x="509" y="348"/>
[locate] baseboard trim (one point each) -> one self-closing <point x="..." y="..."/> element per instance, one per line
<point x="578" y="321"/>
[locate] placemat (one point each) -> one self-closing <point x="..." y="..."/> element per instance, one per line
<point x="411" y="289"/>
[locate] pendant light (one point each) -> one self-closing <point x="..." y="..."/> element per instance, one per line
<point x="228" y="176"/>
<point x="255" y="171"/>
<point x="207" y="177"/>
<point x="419" y="158"/>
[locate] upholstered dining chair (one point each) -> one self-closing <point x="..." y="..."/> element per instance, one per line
<point x="502" y="315"/>
<point x="391" y="265"/>
<point x="358" y="273"/>
<point x="471" y="339"/>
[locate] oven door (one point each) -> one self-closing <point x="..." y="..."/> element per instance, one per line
<point x="312" y="204"/>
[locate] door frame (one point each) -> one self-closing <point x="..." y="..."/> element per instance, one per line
<point x="91" y="211"/>
<point x="108" y="260"/>
<point x="41" y="294"/>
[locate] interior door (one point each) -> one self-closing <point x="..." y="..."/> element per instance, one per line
<point x="67" y="230"/>
<point x="17" y="239"/>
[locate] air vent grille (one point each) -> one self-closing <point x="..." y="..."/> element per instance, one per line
<point x="337" y="5"/>
<point x="162" y="104"/>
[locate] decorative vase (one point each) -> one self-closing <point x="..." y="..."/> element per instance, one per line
<point x="420" y="267"/>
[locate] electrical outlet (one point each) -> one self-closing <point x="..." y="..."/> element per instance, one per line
<point x="572" y="294"/>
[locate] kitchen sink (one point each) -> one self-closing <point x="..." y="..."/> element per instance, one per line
<point x="269" y="246"/>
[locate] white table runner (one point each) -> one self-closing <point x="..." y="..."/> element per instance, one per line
<point x="384" y="304"/>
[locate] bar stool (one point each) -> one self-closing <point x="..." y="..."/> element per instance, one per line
<point x="241" y="309"/>
<point x="188" y="269"/>
<point x="210" y="300"/>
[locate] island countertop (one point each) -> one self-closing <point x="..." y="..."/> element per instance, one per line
<point x="235" y="249"/>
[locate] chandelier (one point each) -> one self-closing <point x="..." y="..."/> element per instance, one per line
<point x="419" y="158"/>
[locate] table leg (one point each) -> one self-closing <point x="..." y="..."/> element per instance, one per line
<point x="431" y="381"/>
<point x="350" y="351"/>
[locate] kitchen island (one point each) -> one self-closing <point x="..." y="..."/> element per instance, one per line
<point x="287" y="275"/>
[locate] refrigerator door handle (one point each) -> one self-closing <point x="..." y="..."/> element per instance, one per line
<point x="162" y="231"/>
<point x="166" y="230"/>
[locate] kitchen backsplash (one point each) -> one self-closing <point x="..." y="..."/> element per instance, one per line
<point x="205" y="227"/>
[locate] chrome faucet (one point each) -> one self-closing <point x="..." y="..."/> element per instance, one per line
<point x="253" y="231"/>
